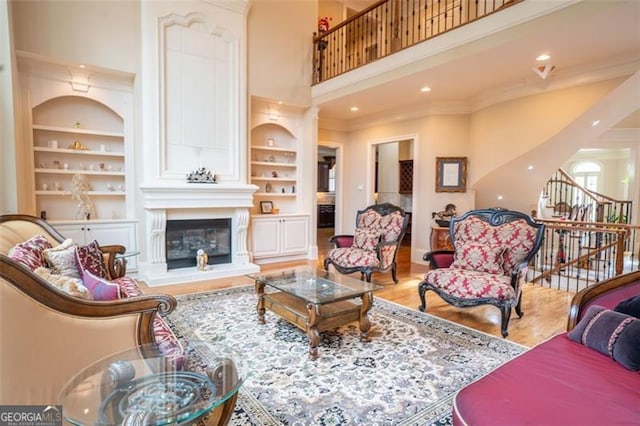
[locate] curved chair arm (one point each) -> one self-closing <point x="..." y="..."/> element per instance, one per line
<point x="517" y="274"/>
<point x="109" y="254"/>
<point x="340" y="241"/>
<point x="439" y="258"/>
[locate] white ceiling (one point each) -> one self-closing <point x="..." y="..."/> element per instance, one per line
<point x="587" y="41"/>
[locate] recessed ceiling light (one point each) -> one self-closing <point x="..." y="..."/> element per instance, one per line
<point x="279" y="102"/>
<point x="81" y="66"/>
<point x="595" y="123"/>
<point x="530" y="168"/>
<point x="425" y="89"/>
<point x="354" y="109"/>
<point x="543" y="57"/>
<point x="500" y="197"/>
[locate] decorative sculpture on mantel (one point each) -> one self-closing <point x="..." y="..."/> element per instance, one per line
<point x="201" y="175"/>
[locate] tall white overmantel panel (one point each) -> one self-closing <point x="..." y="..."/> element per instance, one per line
<point x="194" y="89"/>
<point x="194" y="114"/>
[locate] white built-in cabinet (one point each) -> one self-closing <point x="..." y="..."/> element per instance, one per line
<point x="278" y="236"/>
<point x="120" y="232"/>
<point x="78" y="124"/>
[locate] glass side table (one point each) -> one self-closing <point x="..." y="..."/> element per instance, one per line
<point x="120" y="264"/>
<point x="139" y="386"/>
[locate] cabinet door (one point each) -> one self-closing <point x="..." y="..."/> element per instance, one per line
<point x="77" y="232"/>
<point x="295" y="235"/>
<point x="116" y="233"/>
<point x="266" y="237"/>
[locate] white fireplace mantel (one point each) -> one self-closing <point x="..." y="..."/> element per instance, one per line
<point x="202" y="200"/>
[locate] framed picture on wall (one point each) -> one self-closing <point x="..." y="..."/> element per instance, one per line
<point x="266" y="207"/>
<point x="451" y="174"/>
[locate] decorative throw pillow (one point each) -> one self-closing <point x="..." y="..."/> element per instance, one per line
<point x="29" y="253"/>
<point x="62" y="259"/>
<point x="611" y="333"/>
<point x="89" y="258"/>
<point x="366" y="239"/>
<point x="100" y="288"/>
<point x="479" y="257"/>
<point x="72" y="286"/>
<point x="630" y="306"/>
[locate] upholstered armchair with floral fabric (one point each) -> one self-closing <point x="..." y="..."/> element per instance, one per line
<point x="492" y="250"/>
<point x="374" y="245"/>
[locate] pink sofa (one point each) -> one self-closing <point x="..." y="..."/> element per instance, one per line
<point x="560" y="381"/>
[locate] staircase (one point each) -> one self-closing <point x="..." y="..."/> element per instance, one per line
<point x="588" y="236"/>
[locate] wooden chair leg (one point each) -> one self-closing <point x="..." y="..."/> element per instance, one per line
<point x="393" y="273"/>
<point x="506" y="314"/>
<point x="422" y="289"/>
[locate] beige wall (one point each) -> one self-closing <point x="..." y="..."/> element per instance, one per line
<point x="434" y="136"/>
<point x="504" y="131"/>
<point x="101" y="33"/>
<point x="280" y="56"/>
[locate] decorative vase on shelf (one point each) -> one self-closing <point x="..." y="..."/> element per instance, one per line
<point x="268" y="187"/>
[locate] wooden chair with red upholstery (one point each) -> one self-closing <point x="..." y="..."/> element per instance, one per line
<point x="492" y="250"/>
<point x="380" y="229"/>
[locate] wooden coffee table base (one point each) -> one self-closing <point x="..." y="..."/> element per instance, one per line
<point x="314" y="318"/>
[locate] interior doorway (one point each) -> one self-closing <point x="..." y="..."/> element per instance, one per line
<point x="393" y="177"/>
<point x="326" y="195"/>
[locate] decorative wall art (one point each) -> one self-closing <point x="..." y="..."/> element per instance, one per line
<point x="451" y="174"/>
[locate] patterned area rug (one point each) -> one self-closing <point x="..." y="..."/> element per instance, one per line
<point x="406" y="375"/>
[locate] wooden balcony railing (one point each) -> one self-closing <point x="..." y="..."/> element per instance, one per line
<point x="389" y="26"/>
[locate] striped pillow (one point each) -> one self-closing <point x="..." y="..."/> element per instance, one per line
<point x="611" y="333"/>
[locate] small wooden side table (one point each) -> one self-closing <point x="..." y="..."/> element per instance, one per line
<point x="440" y="239"/>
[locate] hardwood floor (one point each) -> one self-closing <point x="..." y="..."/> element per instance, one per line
<point x="545" y="310"/>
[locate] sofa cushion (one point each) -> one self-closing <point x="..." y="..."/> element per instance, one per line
<point x="30" y="253"/>
<point x="479" y="257"/>
<point x="89" y="258"/>
<point x="629" y="306"/>
<point x="611" y="333"/>
<point x="366" y="239"/>
<point x="100" y="288"/>
<point x="70" y="285"/>
<point x="350" y="257"/>
<point x="466" y="284"/>
<point x="62" y="259"/>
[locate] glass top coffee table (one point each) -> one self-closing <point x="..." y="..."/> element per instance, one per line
<point x="139" y="386"/>
<point x="315" y="300"/>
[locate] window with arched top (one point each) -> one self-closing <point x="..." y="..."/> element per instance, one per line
<point x="587" y="174"/>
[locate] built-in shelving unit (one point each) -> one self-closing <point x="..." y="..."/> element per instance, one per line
<point x="274" y="162"/>
<point x="74" y="135"/>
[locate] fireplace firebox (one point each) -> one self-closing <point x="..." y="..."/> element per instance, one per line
<point x="185" y="237"/>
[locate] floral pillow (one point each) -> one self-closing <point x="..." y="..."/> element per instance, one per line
<point x="62" y="259"/>
<point x="29" y="253"/>
<point x="479" y="257"/>
<point x="89" y="258"/>
<point x="366" y="239"/>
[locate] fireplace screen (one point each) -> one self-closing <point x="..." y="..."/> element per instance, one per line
<point x="185" y="237"/>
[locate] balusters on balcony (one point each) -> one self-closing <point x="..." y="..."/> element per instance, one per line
<point x="389" y="26"/>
